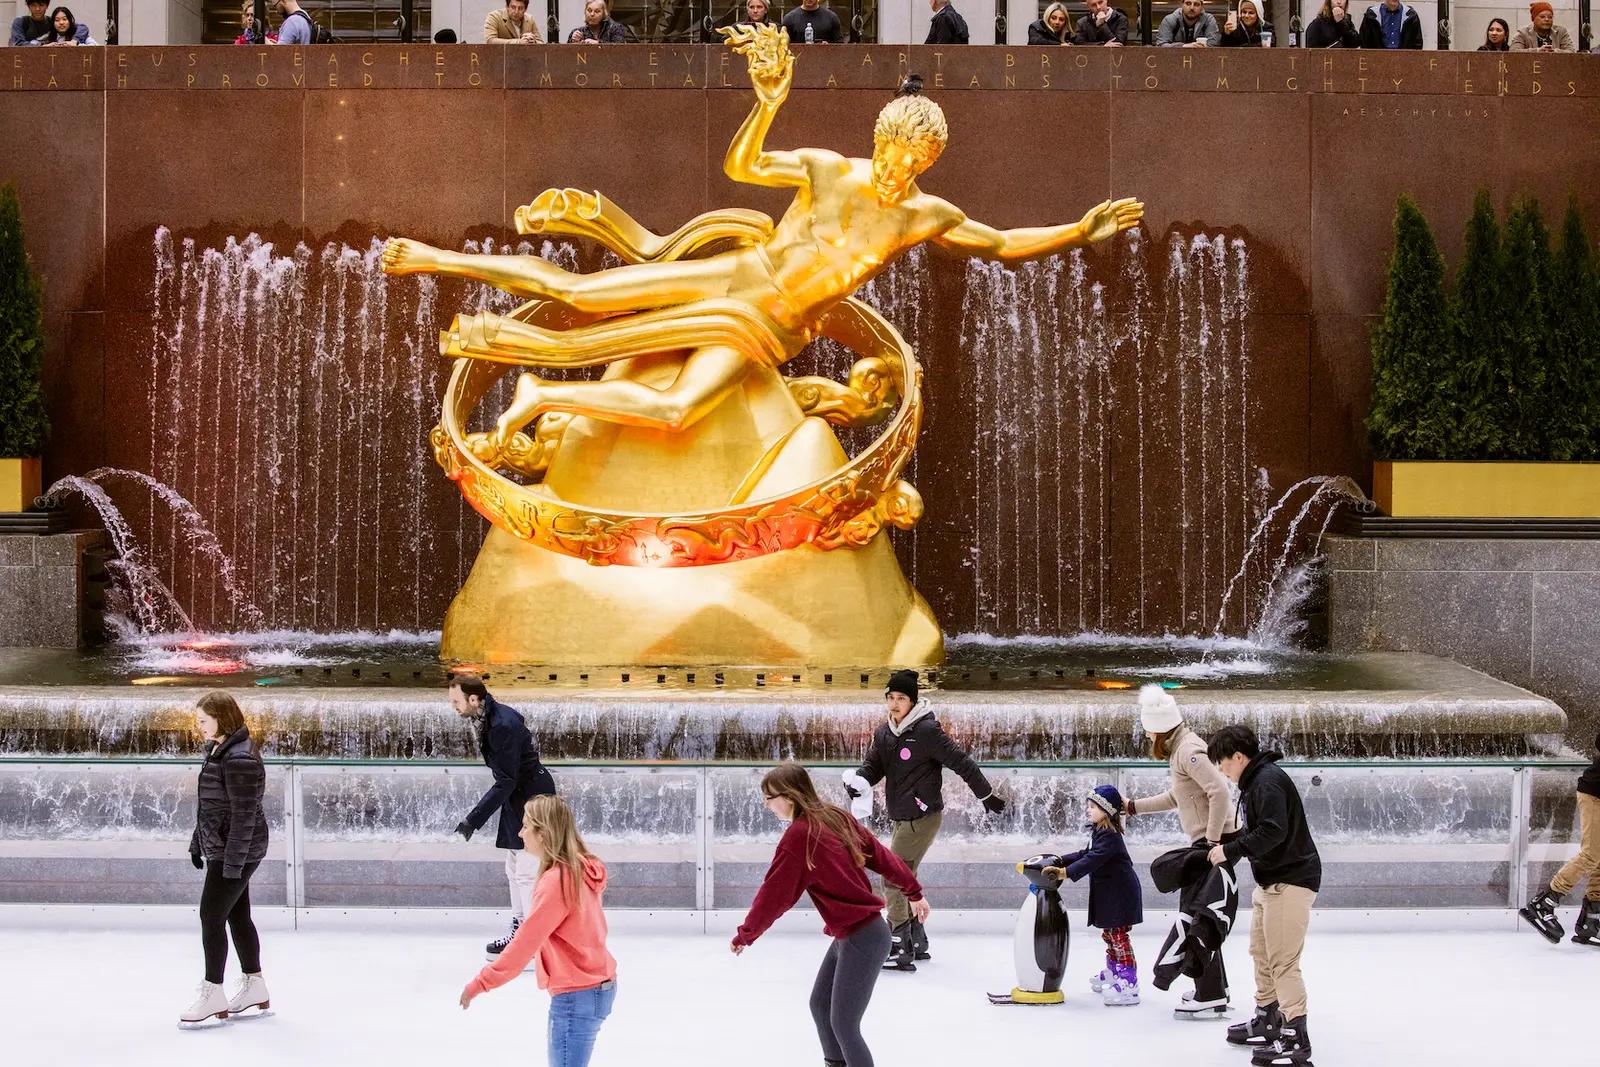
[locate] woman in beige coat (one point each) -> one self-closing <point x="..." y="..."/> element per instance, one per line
<point x="1199" y="793"/>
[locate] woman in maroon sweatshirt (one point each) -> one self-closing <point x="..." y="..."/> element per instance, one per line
<point x="827" y="853"/>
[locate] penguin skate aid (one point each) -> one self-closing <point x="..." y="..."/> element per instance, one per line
<point x="1540" y="912"/>
<point x="1115" y="906"/>
<point x="909" y="753"/>
<point x="1042" y="938"/>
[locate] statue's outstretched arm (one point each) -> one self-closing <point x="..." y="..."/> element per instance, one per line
<point x="1103" y="220"/>
<point x="771" y="72"/>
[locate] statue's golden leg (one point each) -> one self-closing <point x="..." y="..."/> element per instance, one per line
<point x="706" y="378"/>
<point x="633" y="287"/>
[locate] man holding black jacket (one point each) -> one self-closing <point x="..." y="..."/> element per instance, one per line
<point x="1288" y="874"/>
<point x="911" y="751"/>
<point x="507" y="747"/>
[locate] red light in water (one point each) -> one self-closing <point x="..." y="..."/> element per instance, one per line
<point x="202" y="644"/>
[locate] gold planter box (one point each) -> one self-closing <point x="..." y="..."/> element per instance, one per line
<point x="1427" y="490"/>
<point x="20" y="482"/>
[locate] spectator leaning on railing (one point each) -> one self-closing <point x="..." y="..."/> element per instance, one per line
<point x="947" y="26"/>
<point x="598" y="26"/>
<point x="811" y="23"/>
<point x="65" y="31"/>
<point x="511" y="25"/>
<point x="1333" y="28"/>
<point x="1246" y="28"/>
<point x="1191" y="26"/>
<point x="32" y="27"/>
<point x="1104" y="25"/>
<point x="1497" y="37"/>
<point x="1391" y="24"/>
<point x="1052" y="29"/>
<point x="1542" y="34"/>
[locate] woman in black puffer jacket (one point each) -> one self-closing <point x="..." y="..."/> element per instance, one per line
<point x="229" y="842"/>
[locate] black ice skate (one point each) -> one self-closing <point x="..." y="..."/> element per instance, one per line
<point x="1260" y="1031"/>
<point x="919" y="941"/>
<point x="902" y="951"/>
<point x="1541" y="915"/>
<point x="1586" y="931"/>
<point x="1291" y="1049"/>
<point x="493" y="949"/>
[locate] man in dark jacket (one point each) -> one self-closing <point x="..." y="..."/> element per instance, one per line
<point x="1541" y="910"/>
<point x="1288" y="872"/>
<point x="508" y="749"/>
<point x="1391" y="24"/>
<point x="947" y="26"/>
<point x="911" y="751"/>
<point x="1104" y="25"/>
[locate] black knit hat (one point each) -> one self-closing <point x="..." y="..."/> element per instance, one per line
<point x="903" y="682"/>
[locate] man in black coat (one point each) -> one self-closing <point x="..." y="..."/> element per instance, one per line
<point x="1391" y="24"/>
<point x="947" y="26"/>
<point x="1288" y="872"/>
<point x="508" y="750"/>
<point x="911" y="750"/>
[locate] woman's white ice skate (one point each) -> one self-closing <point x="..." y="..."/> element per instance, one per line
<point x="209" y="1009"/>
<point x="251" y="996"/>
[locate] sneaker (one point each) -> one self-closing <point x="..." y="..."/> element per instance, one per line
<point x="493" y="949"/>
<point x="1260" y="1030"/>
<point x="209" y="1004"/>
<point x="251" y="993"/>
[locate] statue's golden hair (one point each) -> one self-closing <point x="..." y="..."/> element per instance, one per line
<point x="913" y="120"/>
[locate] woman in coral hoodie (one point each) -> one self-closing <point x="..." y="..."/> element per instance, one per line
<point x="827" y="854"/>
<point x="564" y="935"/>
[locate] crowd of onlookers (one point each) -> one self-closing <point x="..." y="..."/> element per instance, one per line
<point x="1383" y="24"/>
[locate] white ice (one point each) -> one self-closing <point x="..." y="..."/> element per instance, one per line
<point x="104" y="986"/>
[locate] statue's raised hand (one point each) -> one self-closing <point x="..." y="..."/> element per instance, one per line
<point x="766" y="48"/>
<point x="1109" y="218"/>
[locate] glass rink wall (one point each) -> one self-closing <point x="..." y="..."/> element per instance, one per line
<point x="695" y="837"/>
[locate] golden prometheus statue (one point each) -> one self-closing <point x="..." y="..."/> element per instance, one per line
<point x="692" y="506"/>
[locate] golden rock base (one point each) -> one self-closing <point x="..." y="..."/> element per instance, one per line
<point x="803" y="607"/>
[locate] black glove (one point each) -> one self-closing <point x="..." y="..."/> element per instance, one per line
<point x="993" y="804"/>
<point x="199" y="864"/>
<point x="464" y="830"/>
<point x="855" y="794"/>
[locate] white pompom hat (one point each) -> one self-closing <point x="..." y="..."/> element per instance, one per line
<point x="1158" y="712"/>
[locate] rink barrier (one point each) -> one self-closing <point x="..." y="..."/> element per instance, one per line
<point x="693" y="837"/>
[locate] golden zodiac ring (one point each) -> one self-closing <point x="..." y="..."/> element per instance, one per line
<point x="847" y="508"/>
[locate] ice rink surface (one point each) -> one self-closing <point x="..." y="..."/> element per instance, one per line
<point x="99" y="986"/>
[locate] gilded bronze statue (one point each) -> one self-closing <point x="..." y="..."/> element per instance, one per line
<point x="738" y="530"/>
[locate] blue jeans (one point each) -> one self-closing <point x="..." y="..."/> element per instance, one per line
<point x="575" y="1020"/>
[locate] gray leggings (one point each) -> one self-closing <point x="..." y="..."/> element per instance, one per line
<point x="843" y="989"/>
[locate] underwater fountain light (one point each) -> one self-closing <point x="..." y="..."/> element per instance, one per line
<point x="1109" y="683"/>
<point x="159" y="679"/>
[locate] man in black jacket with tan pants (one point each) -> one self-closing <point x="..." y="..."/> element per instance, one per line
<point x="911" y="750"/>
<point x="1288" y="874"/>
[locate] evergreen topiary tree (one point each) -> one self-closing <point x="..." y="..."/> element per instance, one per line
<point x="1530" y="310"/>
<point x="1474" y="393"/>
<point x="1412" y="348"/>
<point x="1572" y="393"/>
<point x="22" y="419"/>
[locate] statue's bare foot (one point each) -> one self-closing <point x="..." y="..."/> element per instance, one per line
<point x="524" y="408"/>
<point x="402" y="255"/>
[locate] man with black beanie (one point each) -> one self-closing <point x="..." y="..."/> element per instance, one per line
<point x="911" y="751"/>
<point x="1288" y="872"/>
<point x="1541" y="910"/>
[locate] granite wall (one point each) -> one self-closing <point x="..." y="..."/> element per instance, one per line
<point x="1524" y="611"/>
<point x="41" y="588"/>
<point x="1298" y="155"/>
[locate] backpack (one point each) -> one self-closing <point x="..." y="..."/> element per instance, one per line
<point x="318" y="34"/>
